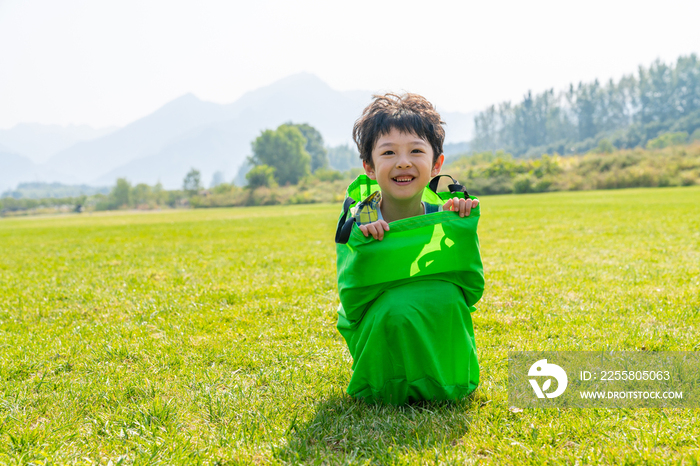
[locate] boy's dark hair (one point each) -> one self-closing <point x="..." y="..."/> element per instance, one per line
<point x="408" y="113"/>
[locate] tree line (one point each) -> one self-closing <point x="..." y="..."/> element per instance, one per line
<point x="624" y="114"/>
<point x="665" y="162"/>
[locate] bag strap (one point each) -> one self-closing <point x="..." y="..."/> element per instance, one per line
<point x="455" y="187"/>
<point x="342" y="233"/>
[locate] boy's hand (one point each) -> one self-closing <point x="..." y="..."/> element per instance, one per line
<point x="376" y="229"/>
<point x="462" y="206"/>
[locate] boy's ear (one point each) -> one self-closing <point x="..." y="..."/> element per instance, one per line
<point x="369" y="170"/>
<point x="438" y="165"/>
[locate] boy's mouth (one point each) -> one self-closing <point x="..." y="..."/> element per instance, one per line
<point x="403" y="180"/>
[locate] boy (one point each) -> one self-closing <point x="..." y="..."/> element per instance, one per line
<point x="406" y="303"/>
<point x="400" y="142"/>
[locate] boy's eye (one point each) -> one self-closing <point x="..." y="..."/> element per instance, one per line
<point x="418" y="151"/>
<point x="388" y="152"/>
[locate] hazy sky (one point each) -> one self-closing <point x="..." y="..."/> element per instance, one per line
<point x="107" y="63"/>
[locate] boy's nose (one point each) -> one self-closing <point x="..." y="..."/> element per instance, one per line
<point x="403" y="161"/>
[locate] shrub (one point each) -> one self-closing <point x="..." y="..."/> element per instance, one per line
<point x="327" y="174"/>
<point x="605" y="146"/>
<point x="261" y="176"/>
<point x="668" y="139"/>
<point x="522" y="184"/>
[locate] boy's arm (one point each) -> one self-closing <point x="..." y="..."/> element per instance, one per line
<point x="462" y="206"/>
<point x="376" y="229"/>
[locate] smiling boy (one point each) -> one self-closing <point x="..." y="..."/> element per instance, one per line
<point x="400" y="141"/>
<point x="406" y="303"/>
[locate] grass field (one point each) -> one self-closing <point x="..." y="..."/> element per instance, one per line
<point x="208" y="336"/>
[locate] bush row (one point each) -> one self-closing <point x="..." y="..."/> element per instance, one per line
<point x="483" y="173"/>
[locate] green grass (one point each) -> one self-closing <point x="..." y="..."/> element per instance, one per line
<point x="208" y="336"/>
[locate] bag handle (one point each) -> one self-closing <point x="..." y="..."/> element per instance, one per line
<point x="342" y="233"/>
<point x="455" y="187"/>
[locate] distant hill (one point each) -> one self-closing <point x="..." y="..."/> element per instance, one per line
<point x="40" y="190"/>
<point x="14" y="167"/>
<point x="88" y="160"/>
<point x="39" y="142"/>
<point x="188" y="132"/>
<point x="209" y="148"/>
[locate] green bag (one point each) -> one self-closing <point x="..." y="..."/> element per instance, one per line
<point x="406" y="302"/>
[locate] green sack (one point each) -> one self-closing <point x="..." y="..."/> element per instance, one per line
<point x="406" y="303"/>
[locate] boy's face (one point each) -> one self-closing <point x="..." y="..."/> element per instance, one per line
<point x="403" y="166"/>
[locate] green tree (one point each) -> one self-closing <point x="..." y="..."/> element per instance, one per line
<point x="192" y="182"/>
<point x="282" y="149"/>
<point x="160" y="195"/>
<point x="687" y="80"/>
<point x="262" y="175"/>
<point x="314" y="145"/>
<point x="141" y="194"/>
<point x="121" y="193"/>
<point x="485" y="130"/>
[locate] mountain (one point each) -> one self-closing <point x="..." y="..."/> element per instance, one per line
<point x="88" y="160"/>
<point x="14" y="167"/>
<point x="190" y="133"/>
<point x="303" y="98"/>
<point x="41" y="190"/>
<point x="39" y="142"/>
<point x="209" y="149"/>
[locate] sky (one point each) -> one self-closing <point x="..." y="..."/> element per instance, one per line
<point x="108" y="63"/>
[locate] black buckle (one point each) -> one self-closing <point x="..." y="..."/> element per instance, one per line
<point x="455" y="187"/>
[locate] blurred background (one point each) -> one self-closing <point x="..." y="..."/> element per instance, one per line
<point x="174" y="95"/>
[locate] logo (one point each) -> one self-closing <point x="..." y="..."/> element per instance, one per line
<point x="543" y="369"/>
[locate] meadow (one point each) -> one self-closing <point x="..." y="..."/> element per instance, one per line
<point x="208" y="336"/>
